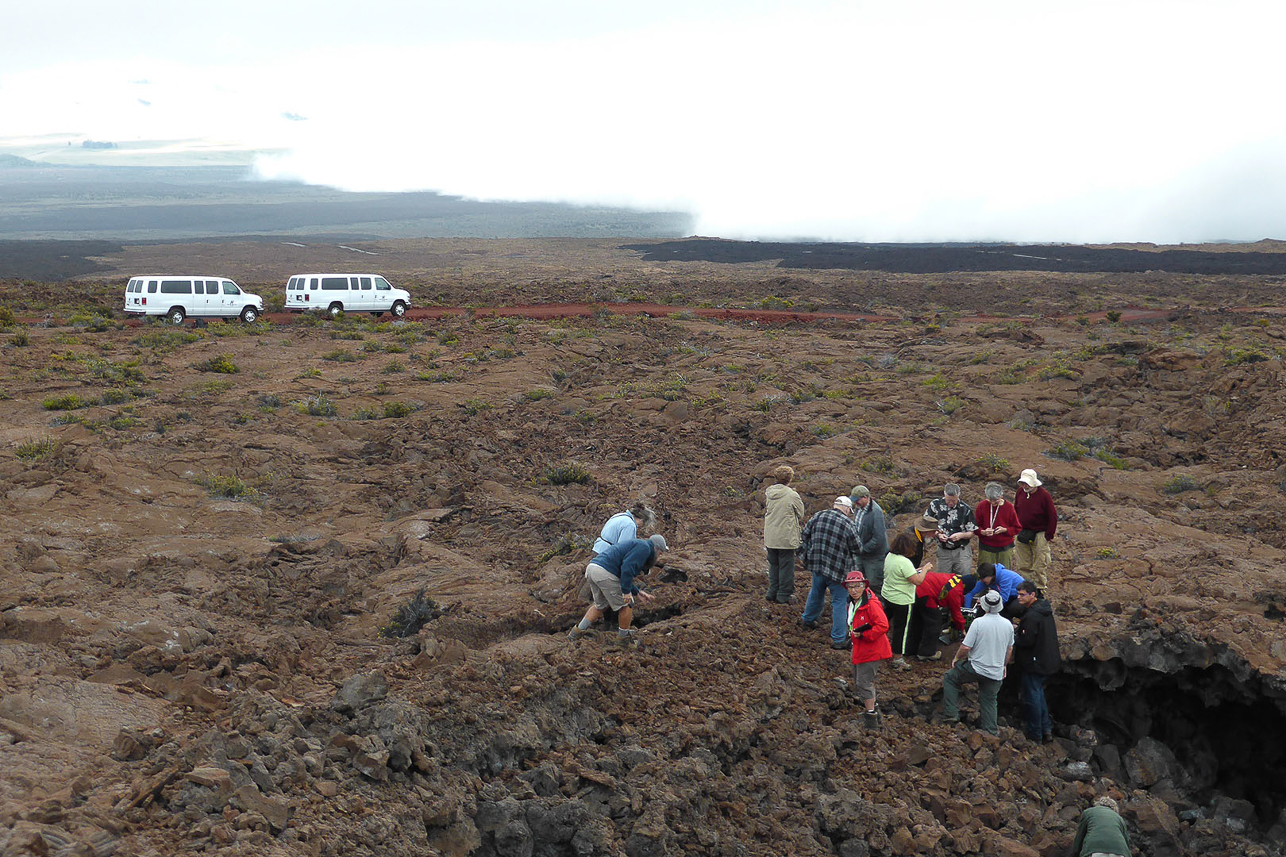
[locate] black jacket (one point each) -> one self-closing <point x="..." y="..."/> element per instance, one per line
<point x="1036" y="642"/>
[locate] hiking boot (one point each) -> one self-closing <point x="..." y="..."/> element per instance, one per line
<point x="812" y="626"/>
<point x="576" y="633"/>
<point x="871" y="719"/>
<point x="840" y="645"/>
<point x="770" y="597"/>
<point x="899" y="664"/>
<point x="628" y="639"/>
<point x="1047" y="738"/>
<point x="936" y="656"/>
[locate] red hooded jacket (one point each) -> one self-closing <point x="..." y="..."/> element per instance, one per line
<point x="873" y="643"/>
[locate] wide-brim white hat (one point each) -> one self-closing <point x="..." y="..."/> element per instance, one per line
<point x="1029" y="478"/>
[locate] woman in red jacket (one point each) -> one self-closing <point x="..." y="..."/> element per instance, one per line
<point x="869" y="628"/>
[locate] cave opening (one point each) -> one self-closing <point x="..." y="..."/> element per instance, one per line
<point x="1223" y="733"/>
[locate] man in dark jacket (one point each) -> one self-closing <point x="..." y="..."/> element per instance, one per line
<point x="872" y="537"/>
<point x="1036" y="655"/>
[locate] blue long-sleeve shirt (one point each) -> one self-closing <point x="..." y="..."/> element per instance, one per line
<point x="1006" y="584"/>
<point x="627" y="560"/>
<point x="618" y="528"/>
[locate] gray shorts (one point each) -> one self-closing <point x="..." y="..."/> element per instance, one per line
<point x="605" y="587"/>
<point x="864" y="679"/>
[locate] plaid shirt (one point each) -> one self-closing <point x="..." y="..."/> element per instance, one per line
<point x="829" y="545"/>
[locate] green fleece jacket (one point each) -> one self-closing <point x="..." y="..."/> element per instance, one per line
<point x="1101" y="831"/>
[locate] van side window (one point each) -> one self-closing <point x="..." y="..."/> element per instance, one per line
<point x="151" y="287"/>
<point x="198" y="287"/>
<point x="314" y="284"/>
<point x="230" y="288"/>
<point x="211" y="287"/>
<point x="335" y="284"/>
<point x="293" y="284"/>
<point x="381" y="284"/>
<point x="176" y="287"/>
<point x="366" y="284"/>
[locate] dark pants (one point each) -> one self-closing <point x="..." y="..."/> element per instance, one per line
<point x="899" y="620"/>
<point x="926" y="625"/>
<point x="1039" y="723"/>
<point x="988" y="692"/>
<point x="781" y="574"/>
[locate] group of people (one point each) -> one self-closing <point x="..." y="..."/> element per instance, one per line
<point x="889" y="602"/>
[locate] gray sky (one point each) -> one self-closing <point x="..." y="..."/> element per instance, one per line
<point x="916" y="121"/>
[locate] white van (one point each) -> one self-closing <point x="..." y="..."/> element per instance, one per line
<point x="179" y="296"/>
<point x="336" y="293"/>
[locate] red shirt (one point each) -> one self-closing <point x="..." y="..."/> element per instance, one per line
<point x="988" y="517"/>
<point x="1036" y="511"/>
<point x="932" y="585"/>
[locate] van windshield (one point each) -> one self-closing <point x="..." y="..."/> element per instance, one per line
<point x="230" y="288"/>
<point x="381" y="284"/>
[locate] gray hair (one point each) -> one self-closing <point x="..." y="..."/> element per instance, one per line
<point x="1107" y="802"/>
<point x="994" y="490"/>
<point x="952" y="490"/>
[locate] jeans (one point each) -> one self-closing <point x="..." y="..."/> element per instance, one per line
<point x="781" y="574"/>
<point x="1039" y="723"/>
<point x="839" y="605"/>
<point x="988" y="691"/>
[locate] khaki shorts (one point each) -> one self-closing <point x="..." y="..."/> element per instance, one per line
<point x="604" y="587"/>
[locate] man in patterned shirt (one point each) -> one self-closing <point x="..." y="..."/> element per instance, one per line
<point x="828" y="549"/>
<point x="956" y="527"/>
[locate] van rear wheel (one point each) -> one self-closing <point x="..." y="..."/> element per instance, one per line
<point x="336" y="309"/>
<point x="399" y="309"/>
<point x="250" y="315"/>
<point x="176" y="315"/>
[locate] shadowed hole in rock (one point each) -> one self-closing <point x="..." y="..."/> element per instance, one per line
<point x="1203" y="739"/>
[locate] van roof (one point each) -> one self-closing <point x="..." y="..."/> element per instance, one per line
<point x="179" y="277"/>
<point x="340" y="274"/>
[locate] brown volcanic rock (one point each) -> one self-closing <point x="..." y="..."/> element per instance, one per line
<point x="181" y="670"/>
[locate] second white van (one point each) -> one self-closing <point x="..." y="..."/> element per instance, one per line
<point x="179" y="296"/>
<point x="336" y="293"/>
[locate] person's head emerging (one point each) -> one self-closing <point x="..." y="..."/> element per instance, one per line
<point x="1028" y="593"/>
<point x="784" y="474"/>
<point x="860" y="496"/>
<point x="987" y="573"/>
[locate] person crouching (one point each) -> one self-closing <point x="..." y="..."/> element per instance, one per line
<point x="869" y="628"/>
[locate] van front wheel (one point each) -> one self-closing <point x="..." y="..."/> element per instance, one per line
<point x="336" y="309"/>
<point x="399" y="309"/>
<point x="176" y="315"/>
<point x="250" y="315"/>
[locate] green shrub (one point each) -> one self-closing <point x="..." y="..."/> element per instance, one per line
<point x="1106" y="553"/>
<point x="412" y="616"/>
<point x="20" y="339"/>
<point x="1179" y="484"/>
<point x="6" y="316"/>
<point x="1237" y="356"/>
<point x="994" y="463"/>
<point x="394" y="367"/>
<point x="115" y="396"/>
<point x="949" y="405"/>
<point x="823" y="430"/>
<point x="228" y="487"/>
<point x="222" y="365"/>
<point x="65" y="402"/>
<point x="1113" y="315"/>
<point x="365" y="414"/>
<point x="475" y="406"/>
<point x="537" y="394"/>
<point x="340" y="355"/>
<point x="38" y="450"/>
<point x="394" y="410"/>
<point x="567" y="473"/>
<point x="317" y="406"/>
<point x="1068" y="450"/>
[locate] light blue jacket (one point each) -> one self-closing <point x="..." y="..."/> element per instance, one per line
<point x="620" y="527"/>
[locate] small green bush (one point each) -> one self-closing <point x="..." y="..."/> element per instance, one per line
<point x="38" y="450"/>
<point x="228" y="487"/>
<point x="567" y="473"/>
<point x="1106" y="553"/>
<point x="20" y="339"/>
<point x="411" y="617"/>
<point x="340" y="355"/>
<point x="1113" y="315"/>
<point x="1179" y="484"/>
<point x="317" y="406"/>
<point x="222" y="365"/>
<point x="6" y="316"/>
<point x="537" y="394"/>
<point x="65" y="402"/>
<point x="475" y="406"/>
<point x="1238" y="356"/>
<point x="994" y="463"/>
<point x="394" y="410"/>
<point x="1068" y="450"/>
<point x="949" y="405"/>
<point x="115" y="396"/>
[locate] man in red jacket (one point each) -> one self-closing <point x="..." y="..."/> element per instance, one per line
<point x="1039" y="521"/>
<point x="937" y="597"/>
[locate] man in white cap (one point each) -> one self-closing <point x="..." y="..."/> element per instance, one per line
<point x="1039" y="521"/>
<point x="828" y="549"/>
<point x="982" y="657"/>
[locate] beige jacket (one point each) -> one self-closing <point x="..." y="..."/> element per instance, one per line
<point x="783" y="517"/>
